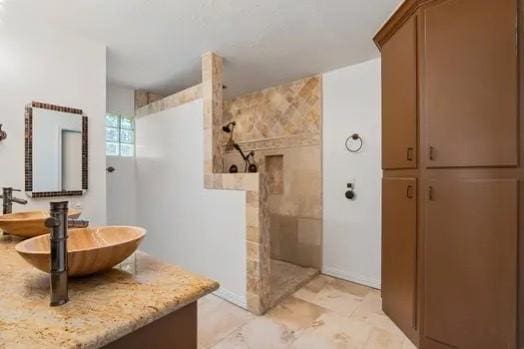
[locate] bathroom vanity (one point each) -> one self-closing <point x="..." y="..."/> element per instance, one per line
<point x="142" y="303"/>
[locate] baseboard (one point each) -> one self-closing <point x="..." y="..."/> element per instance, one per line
<point x="231" y="297"/>
<point x="359" y="279"/>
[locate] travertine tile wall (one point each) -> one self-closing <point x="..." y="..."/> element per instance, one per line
<point x="286" y="111"/>
<point x="172" y="101"/>
<point x="283" y="126"/>
<point x="258" y="266"/>
<point x="143" y="98"/>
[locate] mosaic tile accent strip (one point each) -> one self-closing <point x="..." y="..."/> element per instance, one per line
<point x="56" y="108"/>
<point x="172" y="101"/>
<point x="28" y="163"/>
<point x="279" y="143"/>
<point x="50" y="194"/>
<point x="85" y="149"/>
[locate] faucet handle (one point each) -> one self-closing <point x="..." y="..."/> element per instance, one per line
<point x="51" y="222"/>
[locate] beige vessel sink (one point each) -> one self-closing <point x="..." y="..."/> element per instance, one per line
<point x="90" y="250"/>
<point x="28" y="224"/>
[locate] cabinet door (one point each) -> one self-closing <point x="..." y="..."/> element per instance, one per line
<point x="470" y="83"/>
<point x="399" y="251"/>
<point x="471" y="263"/>
<point x="399" y="98"/>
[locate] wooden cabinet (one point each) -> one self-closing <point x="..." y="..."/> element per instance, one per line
<point x="470" y="83"/>
<point x="399" y="98"/>
<point x="451" y="85"/>
<point x="399" y="251"/>
<point x="471" y="262"/>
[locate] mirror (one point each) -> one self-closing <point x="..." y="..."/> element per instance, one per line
<point x="55" y="150"/>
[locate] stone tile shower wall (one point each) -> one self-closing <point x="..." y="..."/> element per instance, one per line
<point x="282" y="125"/>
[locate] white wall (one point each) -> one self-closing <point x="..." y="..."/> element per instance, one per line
<point x="121" y="191"/>
<point x="121" y="195"/>
<point x="58" y="69"/>
<point x="120" y="100"/>
<point x="201" y="230"/>
<point x="352" y="234"/>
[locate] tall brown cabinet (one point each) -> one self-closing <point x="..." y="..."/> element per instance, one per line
<point x="452" y="160"/>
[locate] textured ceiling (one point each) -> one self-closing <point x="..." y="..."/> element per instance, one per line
<point x="156" y="44"/>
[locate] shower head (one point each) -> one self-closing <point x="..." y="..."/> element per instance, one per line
<point x="229" y="127"/>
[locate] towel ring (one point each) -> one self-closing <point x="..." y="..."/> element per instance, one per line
<point x="354" y="137"/>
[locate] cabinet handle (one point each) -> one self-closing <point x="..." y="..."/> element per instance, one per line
<point x="431" y="153"/>
<point x="430" y="193"/>
<point x="409" y="192"/>
<point x="410" y="154"/>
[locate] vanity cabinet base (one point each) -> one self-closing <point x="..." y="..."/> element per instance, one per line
<point x="177" y="330"/>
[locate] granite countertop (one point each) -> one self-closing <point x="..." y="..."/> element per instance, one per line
<point x="102" y="308"/>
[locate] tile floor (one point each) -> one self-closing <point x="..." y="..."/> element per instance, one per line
<point x="326" y="313"/>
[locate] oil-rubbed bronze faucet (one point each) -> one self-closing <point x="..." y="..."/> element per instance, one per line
<point x="58" y="224"/>
<point x="8" y="199"/>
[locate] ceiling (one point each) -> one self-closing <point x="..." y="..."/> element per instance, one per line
<point x="156" y="44"/>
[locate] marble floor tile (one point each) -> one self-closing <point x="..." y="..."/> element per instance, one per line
<point x="371" y="304"/>
<point x="326" y="313"/>
<point x="338" y="301"/>
<point x="334" y="331"/>
<point x="381" y="339"/>
<point x="295" y="313"/>
<point x="384" y="322"/>
<point x="350" y="287"/>
<point x="312" y="288"/>
<point x="407" y="344"/>
<point x="259" y="333"/>
<point x="217" y="319"/>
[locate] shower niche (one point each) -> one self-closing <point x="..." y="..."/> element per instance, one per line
<point x="295" y="239"/>
<point x="275" y="174"/>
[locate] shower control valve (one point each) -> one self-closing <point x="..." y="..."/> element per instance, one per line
<point x="350" y="194"/>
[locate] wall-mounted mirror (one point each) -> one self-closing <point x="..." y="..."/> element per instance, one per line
<point x="55" y="150"/>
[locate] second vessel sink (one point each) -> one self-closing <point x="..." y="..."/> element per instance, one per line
<point x="90" y="250"/>
<point x="28" y="224"/>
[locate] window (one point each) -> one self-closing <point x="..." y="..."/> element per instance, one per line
<point x="120" y="135"/>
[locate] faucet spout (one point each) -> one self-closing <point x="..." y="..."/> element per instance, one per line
<point x="20" y="201"/>
<point x="58" y="223"/>
<point x="77" y="223"/>
<point x="8" y="199"/>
